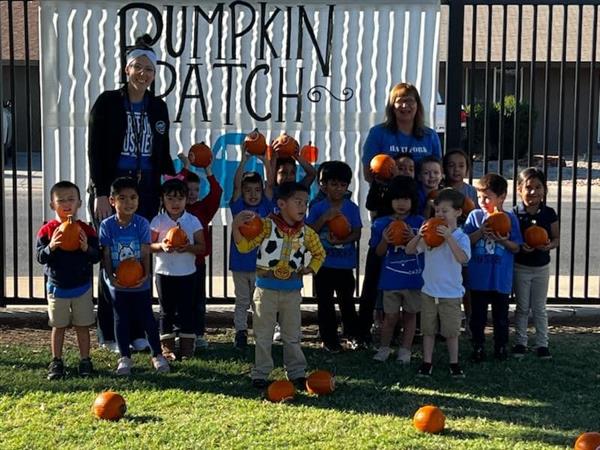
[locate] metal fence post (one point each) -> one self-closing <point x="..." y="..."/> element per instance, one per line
<point x="454" y="72"/>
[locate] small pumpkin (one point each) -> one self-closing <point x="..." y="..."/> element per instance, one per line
<point x="468" y="206"/>
<point x="200" y="155"/>
<point x="285" y="145"/>
<point x="320" y="382"/>
<point x="430" y="236"/>
<point x="429" y="419"/>
<point x="252" y="228"/>
<point x="176" y="237"/>
<point x="70" y="235"/>
<point x="588" y="441"/>
<point x="499" y="222"/>
<point x="398" y="229"/>
<point x="535" y="236"/>
<point x="310" y="153"/>
<point x="109" y="406"/>
<point x="255" y="143"/>
<point x="339" y="226"/>
<point x="433" y="194"/>
<point x="129" y="272"/>
<point x="281" y="391"/>
<point x="382" y="166"/>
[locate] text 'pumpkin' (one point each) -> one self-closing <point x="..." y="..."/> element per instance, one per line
<point x="109" y="406"/>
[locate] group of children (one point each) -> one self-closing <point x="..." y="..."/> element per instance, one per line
<point x="473" y="266"/>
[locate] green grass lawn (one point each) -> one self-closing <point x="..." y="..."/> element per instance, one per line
<point x="208" y="402"/>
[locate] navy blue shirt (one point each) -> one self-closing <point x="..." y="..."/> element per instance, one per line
<point x="544" y="217"/>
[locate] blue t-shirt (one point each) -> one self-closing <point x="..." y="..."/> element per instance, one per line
<point x="246" y="262"/>
<point x="398" y="270"/>
<point x="342" y="256"/>
<point x="382" y="140"/>
<point x="137" y="134"/>
<point x="125" y="241"/>
<point x="491" y="264"/>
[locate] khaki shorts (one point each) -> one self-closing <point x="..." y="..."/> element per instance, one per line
<point x="448" y="311"/>
<point x="408" y="300"/>
<point x="77" y="311"/>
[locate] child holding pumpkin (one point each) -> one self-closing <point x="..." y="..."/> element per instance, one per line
<point x="495" y="238"/>
<point x="540" y="228"/>
<point x="125" y="238"/>
<point x="177" y="238"/>
<point x="282" y="245"/>
<point x="68" y="250"/>
<point x="337" y="221"/>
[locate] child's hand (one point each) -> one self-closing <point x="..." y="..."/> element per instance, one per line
<point x="165" y="247"/>
<point x="444" y="231"/>
<point x="330" y="214"/>
<point x="182" y="248"/>
<point x="497" y="237"/>
<point x="546" y="247"/>
<point x="387" y="235"/>
<point x="245" y="154"/>
<point x="242" y="217"/>
<point x="526" y="248"/>
<point x="333" y="240"/>
<point x="83" y="241"/>
<point x="55" y="241"/>
<point x="140" y="283"/>
<point x="184" y="160"/>
<point x="421" y="232"/>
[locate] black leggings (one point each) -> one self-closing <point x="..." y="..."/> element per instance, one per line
<point x="479" y="311"/>
<point x="176" y="295"/>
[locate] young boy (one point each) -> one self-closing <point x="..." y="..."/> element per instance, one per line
<point x="442" y="281"/>
<point x="126" y="235"/>
<point x="321" y="175"/>
<point x="280" y="265"/>
<point x="405" y="164"/>
<point x="249" y="194"/>
<point x="69" y="278"/>
<point x="430" y="177"/>
<point x="491" y="268"/>
<point x="284" y="170"/>
<point x="337" y="274"/>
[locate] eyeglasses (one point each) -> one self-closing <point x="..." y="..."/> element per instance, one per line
<point x="406" y="100"/>
<point x="139" y="68"/>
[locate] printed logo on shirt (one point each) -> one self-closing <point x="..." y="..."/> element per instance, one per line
<point x="161" y="127"/>
<point x="125" y="249"/>
<point x="488" y="250"/>
<point x="138" y="132"/>
<point x="407" y="149"/>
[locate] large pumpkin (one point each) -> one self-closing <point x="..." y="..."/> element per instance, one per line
<point x="252" y="228"/>
<point x="499" y="222"/>
<point x="398" y="229"/>
<point x="429" y="419"/>
<point x="588" y="441"/>
<point x="129" y="272"/>
<point x="255" y="143"/>
<point x="200" y="155"/>
<point x="285" y="145"/>
<point x="310" y="152"/>
<point x="320" y="382"/>
<point x="339" y="226"/>
<point x="382" y="166"/>
<point x="430" y="236"/>
<point x="281" y="390"/>
<point x="70" y="235"/>
<point x="536" y="236"/>
<point x="109" y="406"/>
<point x="176" y="237"/>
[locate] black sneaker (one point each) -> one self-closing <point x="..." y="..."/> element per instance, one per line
<point x="241" y="340"/>
<point x="456" y="371"/>
<point x="85" y="367"/>
<point x="425" y="370"/>
<point x="260" y="383"/>
<point x="56" y="369"/>
<point x="518" y="351"/>
<point x="544" y="353"/>
<point x="478" y="355"/>
<point x="300" y="383"/>
<point x="500" y="353"/>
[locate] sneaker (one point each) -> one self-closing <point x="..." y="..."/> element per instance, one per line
<point x="478" y="355"/>
<point x="500" y="353"/>
<point x="85" y="367"/>
<point x="382" y="354"/>
<point x="139" y="345"/>
<point x="425" y="370"/>
<point x="201" y="342"/>
<point x="160" y="363"/>
<point x="124" y="366"/>
<point x="404" y="355"/>
<point x="518" y="351"/>
<point x="332" y="348"/>
<point x="241" y="339"/>
<point x="111" y="346"/>
<point x="456" y="371"/>
<point x="277" y="333"/>
<point x="543" y="353"/>
<point x="352" y="344"/>
<point x="260" y="383"/>
<point x="56" y="369"/>
<point x="299" y="383"/>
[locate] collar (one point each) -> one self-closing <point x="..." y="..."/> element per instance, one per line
<point x="283" y="225"/>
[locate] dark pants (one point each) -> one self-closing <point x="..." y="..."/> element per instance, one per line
<point x="369" y="292"/>
<point x="136" y="304"/>
<point x="340" y="281"/>
<point x="176" y="295"/>
<point x="479" y="310"/>
<point x="200" y="299"/>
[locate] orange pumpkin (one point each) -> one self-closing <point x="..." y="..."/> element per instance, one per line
<point x="536" y="236"/>
<point x="382" y="166"/>
<point x="468" y="206"/>
<point x="430" y="236"/>
<point x="433" y="194"/>
<point x="499" y="222"/>
<point x="339" y="226"/>
<point x="255" y="143"/>
<point x="281" y="391"/>
<point x="398" y="229"/>
<point x="176" y="237"/>
<point x="109" y="406"/>
<point x="320" y="382"/>
<point x="285" y="145"/>
<point x="129" y="272"/>
<point x="70" y="235"/>
<point x="429" y="419"/>
<point x="310" y="153"/>
<point x="588" y="441"/>
<point x="200" y="155"/>
<point x="252" y="228"/>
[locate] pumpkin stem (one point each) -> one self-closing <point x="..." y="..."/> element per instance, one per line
<point x="70" y="219"/>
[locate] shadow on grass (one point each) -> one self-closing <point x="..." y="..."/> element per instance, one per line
<point x="139" y="419"/>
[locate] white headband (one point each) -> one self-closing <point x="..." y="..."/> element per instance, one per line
<point x="137" y="52"/>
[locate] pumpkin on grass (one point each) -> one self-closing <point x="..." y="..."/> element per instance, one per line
<point x="398" y="229"/>
<point x="252" y="228"/>
<point x="339" y="226"/>
<point x="429" y="419"/>
<point x="281" y="391"/>
<point x="382" y="166"/>
<point x="320" y="382"/>
<point x="70" y="235"/>
<point x="255" y="143"/>
<point x="535" y="236"/>
<point x="176" y="237"/>
<point x="588" y="441"/>
<point x="285" y="145"/>
<point x="200" y="155"/>
<point x="499" y="222"/>
<point x="430" y="236"/>
<point x="129" y="272"/>
<point x="109" y="406"/>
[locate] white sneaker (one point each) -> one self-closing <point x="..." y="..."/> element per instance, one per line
<point x="111" y="346"/>
<point x="201" y="342"/>
<point x="277" y="333"/>
<point x="141" y="344"/>
<point x="382" y="354"/>
<point x="404" y="355"/>
<point x="160" y="363"/>
<point x="124" y="366"/>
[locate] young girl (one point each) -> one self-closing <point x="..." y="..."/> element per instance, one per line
<point x="457" y="167"/>
<point x="175" y="269"/>
<point x="430" y="177"/>
<point x="532" y="265"/>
